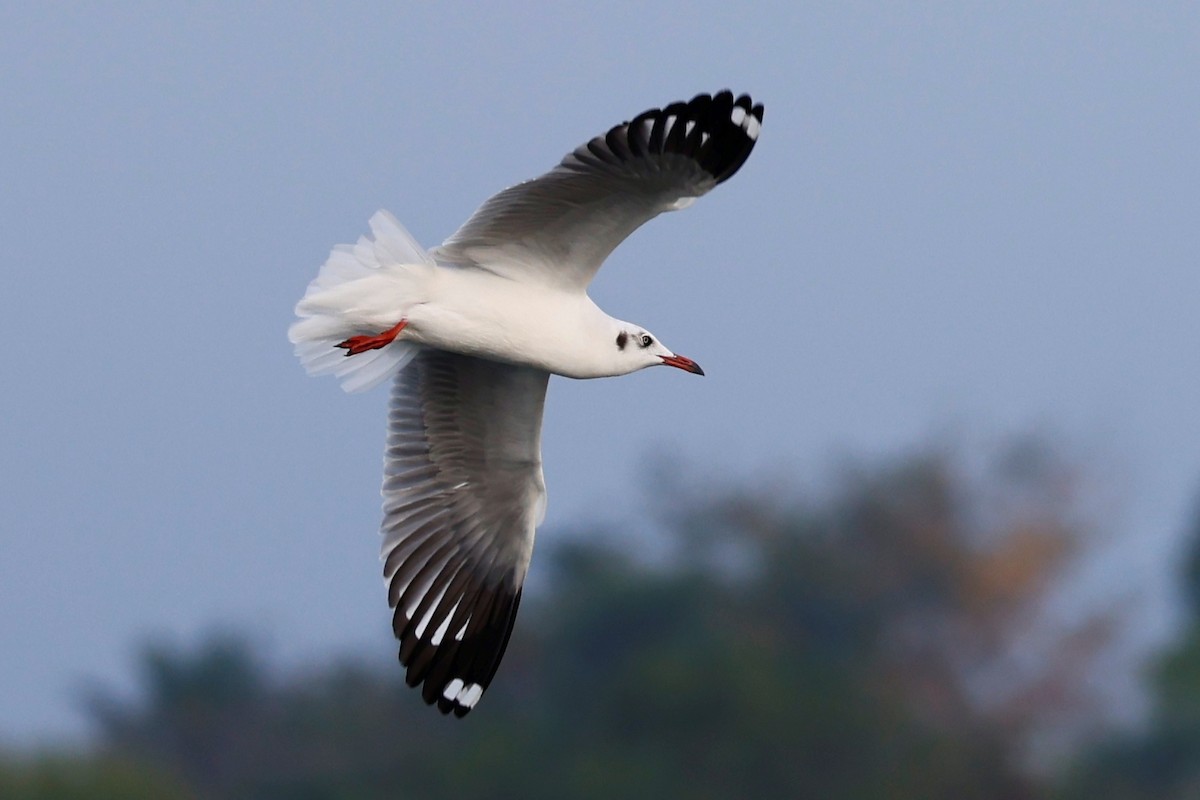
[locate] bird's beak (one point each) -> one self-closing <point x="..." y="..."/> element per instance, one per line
<point x="684" y="363"/>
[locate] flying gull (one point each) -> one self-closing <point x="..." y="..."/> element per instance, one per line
<point x="471" y="332"/>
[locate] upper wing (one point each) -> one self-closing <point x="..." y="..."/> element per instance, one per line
<point x="462" y="495"/>
<point x="560" y="227"/>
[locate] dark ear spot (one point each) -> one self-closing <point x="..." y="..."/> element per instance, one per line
<point x="622" y="339"/>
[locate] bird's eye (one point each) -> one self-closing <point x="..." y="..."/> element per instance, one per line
<point x="646" y="340"/>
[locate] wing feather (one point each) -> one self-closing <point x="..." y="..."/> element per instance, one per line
<point x="559" y="228"/>
<point x="463" y="493"/>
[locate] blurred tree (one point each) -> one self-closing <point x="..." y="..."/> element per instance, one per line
<point x="73" y="777"/>
<point x="1161" y="762"/>
<point x="855" y="648"/>
<point x="196" y="713"/>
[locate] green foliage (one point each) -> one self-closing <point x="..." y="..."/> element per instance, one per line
<point x="1163" y="761"/>
<point x="787" y="650"/>
<point x="69" y="777"/>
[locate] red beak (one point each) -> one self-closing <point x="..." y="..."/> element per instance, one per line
<point x="683" y="363"/>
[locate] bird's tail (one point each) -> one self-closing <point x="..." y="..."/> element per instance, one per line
<point x="351" y="288"/>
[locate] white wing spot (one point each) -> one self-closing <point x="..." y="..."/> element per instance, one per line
<point x="462" y="485"/>
<point x="687" y="129"/>
<point x="470" y="695"/>
<point x="752" y="126"/>
<point x="452" y="689"/>
<point x="458" y="637"/>
<point x="738" y="115"/>
<point x="465" y="694"/>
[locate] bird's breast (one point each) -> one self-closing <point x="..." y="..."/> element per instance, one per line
<point x="479" y="314"/>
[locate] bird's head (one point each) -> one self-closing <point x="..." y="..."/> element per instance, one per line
<point x="637" y="348"/>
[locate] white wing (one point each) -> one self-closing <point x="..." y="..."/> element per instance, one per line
<point x="463" y="493"/>
<point x="559" y="228"/>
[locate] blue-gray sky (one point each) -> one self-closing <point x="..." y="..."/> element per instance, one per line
<point x="959" y="218"/>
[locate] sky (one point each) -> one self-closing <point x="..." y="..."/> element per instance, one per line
<point x="962" y="220"/>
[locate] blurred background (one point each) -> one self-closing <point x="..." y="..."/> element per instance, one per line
<point x="929" y="528"/>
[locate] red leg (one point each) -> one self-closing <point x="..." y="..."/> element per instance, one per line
<point x="361" y="344"/>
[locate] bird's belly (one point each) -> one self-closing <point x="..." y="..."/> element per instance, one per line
<point x="499" y="321"/>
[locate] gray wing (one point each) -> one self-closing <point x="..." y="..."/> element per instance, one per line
<point x="462" y="495"/>
<point x="557" y="229"/>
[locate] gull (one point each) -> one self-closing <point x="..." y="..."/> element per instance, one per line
<point x="470" y="333"/>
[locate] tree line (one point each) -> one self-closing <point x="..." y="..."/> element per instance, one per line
<point x="859" y="644"/>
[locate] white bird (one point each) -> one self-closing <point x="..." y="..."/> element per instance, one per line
<point x="472" y="331"/>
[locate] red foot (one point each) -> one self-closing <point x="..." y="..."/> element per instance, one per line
<point x="361" y="344"/>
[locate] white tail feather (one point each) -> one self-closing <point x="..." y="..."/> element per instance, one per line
<point x="361" y="289"/>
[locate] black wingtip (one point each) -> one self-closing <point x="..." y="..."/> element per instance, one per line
<point x="734" y="126"/>
<point x="717" y="131"/>
<point x="454" y="674"/>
